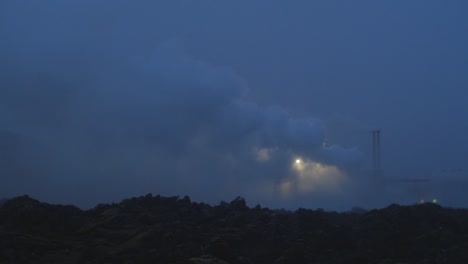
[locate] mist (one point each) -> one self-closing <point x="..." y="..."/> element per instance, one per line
<point x="102" y="101"/>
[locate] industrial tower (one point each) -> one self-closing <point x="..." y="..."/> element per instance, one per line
<point x="381" y="181"/>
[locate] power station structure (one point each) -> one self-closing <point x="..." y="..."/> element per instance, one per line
<point x="376" y="167"/>
<point x="417" y="185"/>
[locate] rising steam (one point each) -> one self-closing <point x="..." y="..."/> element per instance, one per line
<point x="104" y="127"/>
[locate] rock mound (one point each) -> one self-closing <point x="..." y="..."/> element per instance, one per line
<point x="156" y="229"/>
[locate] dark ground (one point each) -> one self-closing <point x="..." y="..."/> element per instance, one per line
<point x="172" y="230"/>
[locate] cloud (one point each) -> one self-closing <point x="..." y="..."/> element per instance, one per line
<point x="102" y="125"/>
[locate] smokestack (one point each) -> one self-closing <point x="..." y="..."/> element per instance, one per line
<point x="376" y="152"/>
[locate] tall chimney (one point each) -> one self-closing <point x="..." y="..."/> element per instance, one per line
<point x="376" y="152"/>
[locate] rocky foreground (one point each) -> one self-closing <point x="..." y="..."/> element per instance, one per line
<point x="154" y="229"/>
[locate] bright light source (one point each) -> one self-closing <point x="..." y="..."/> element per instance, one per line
<point x="434" y="200"/>
<point x="298" y="161"/>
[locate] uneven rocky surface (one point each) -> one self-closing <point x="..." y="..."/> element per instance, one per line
<point x="155" y="229"/>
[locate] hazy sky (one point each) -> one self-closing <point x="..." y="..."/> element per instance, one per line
<point x="101" y="100"/>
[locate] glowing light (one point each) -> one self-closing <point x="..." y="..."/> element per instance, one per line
<point x="434" y="200"/>
<point x="311" y="176"/>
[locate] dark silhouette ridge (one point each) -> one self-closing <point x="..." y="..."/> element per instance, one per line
<point x="156" y="229"/>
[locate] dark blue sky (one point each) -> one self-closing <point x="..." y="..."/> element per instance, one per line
<point x="214" y="98"/>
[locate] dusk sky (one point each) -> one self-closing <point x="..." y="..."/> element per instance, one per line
<point x="270" y="100"/>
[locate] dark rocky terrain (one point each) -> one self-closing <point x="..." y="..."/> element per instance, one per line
<point x="154" y="229"/>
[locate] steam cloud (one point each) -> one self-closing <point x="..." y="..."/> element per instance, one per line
<point x="92" y="127"/>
